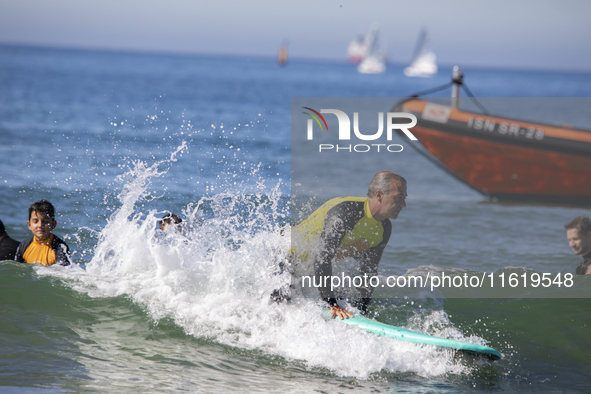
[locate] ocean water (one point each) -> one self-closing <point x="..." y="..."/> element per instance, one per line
<point x="116" y="140"/>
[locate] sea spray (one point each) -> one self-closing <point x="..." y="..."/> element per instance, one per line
<point x="213" y="275"/>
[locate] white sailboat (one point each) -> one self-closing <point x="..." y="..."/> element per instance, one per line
<point x="424" y="61"/>
<point x="374" y="60"/>
<point x="356" y="50"/>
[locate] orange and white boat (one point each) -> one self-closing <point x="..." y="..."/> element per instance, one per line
<point x="506" y="159"/>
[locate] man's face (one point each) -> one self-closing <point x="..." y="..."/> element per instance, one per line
<point x="393" y="202"/>
<point x="41" y="225"/>
<point x="580" y="244"/>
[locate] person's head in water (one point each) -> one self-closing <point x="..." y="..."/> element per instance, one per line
<point x="386" y="195"/>
<point x="578" y="232"/>
<point x="168" y="220"/>
<point x="41" y="219"/>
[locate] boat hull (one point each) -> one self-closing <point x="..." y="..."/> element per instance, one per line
<point x="507" y="159"/>
<point x="371" y="66"/>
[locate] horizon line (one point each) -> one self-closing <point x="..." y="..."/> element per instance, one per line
<point x="343" y="60"/>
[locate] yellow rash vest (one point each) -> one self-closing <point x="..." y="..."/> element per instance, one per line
<point x="51" y="251"/>
<point x="342" y="227"/>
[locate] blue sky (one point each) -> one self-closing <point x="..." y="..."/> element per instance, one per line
<point x="541" y="34"/>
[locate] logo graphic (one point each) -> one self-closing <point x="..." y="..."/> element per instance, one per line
<point x="315" y="118"/>
<point x="392" y="119"/>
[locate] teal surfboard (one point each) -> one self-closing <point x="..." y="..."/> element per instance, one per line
<point x="416" y="337"/>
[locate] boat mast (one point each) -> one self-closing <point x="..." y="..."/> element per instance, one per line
<point x="456" y="78"/>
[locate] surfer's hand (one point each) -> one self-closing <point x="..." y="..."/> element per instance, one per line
<point x="340" y="312"/>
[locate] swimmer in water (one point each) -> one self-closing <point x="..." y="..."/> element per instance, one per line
<point x="44" y="248"/>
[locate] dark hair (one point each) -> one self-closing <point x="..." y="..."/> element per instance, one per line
<point x="42" y="206"/>
<point x="171" y="217"/>
<point x="383" y="181"/>
<point x="168" y="220"/>
<point x="581" y="223"/>
<point x="2" y="228"/>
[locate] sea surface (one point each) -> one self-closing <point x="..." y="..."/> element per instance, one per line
<point x="116" y="140"/>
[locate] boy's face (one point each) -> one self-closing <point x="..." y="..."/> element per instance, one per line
<point x="41" y="225"/>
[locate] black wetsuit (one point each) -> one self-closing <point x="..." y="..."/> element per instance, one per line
<point x="582" y="267"/>
<point x="8" y="248"/>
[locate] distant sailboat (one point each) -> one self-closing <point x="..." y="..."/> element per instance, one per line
<point x="282" y="57"/>
<point x="356" y="50"/>
<point x="374" y="59"/>
<point x="424" y="61"/>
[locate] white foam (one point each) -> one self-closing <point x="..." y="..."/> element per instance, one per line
<point x="214" y="279"/>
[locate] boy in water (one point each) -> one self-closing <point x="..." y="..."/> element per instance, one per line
<point x="44" y="248"/>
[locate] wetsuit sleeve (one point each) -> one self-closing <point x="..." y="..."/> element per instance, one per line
<point x="339" y="220"/>
<point x="371" y="259"/>
<point x="20" y="251"/>
<point x="62" y="252"/>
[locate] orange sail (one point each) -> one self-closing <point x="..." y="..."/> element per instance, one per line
<point x="282" y="58"/>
